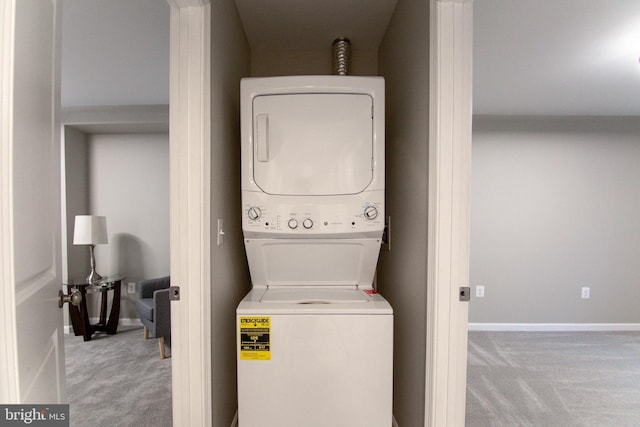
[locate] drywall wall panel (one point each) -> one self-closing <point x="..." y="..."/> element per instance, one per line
<point x="364" y="62"/>
<point x="230" y="281"/>
<point x="128" y="178"/>
<point x="75" y="199"/>
<point x="115" y="52"/>
<point x="554" y="208"/>
<point x="402" y="277"/>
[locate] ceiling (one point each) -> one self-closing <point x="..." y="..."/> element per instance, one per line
<point x="556" y="57"/>
<point x="531" y="57"/>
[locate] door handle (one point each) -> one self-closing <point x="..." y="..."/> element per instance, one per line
<point x="74" y="298"/>
<point x="262" y="137"/>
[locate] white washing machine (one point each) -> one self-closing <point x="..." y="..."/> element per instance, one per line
<point x="314" y="338"/>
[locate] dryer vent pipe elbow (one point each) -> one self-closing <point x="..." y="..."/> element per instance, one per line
<point x="341" y="56"/>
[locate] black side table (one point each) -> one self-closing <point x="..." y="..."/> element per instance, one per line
<point x="80" y="316"/>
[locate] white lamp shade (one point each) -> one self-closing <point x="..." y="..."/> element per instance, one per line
<point x="90" y="230"/>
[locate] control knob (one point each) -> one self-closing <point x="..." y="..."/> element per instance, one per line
<point x="293" y="223"/>
<point x="307" y="223"/>
<point x="254" y="213"/>
<point x="370" y="212"/>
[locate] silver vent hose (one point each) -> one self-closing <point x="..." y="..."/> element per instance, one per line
<point x="341" y="56"/>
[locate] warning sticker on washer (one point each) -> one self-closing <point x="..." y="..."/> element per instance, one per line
<point x="255" y="338"/>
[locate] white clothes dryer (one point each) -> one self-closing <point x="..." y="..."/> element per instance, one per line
<point x="314" y="338"/>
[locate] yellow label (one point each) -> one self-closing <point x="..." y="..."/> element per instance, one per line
<point x="255" y="338"/>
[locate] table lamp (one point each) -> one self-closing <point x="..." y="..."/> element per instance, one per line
<point x="90" y="230"/>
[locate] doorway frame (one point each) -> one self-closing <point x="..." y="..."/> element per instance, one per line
<point x="448" y="238"/>
<point x="9" y="386"/>
<point x="450" y="118"/>
<point x="190" y="210"/>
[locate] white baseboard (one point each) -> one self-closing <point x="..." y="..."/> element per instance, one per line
<point x="554" y="327"/>
<point x="121" y="322"/>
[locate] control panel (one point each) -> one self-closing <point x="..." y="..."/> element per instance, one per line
<point x="329" y="215"/>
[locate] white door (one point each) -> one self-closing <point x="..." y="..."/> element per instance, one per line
<point x="31" y="347"/>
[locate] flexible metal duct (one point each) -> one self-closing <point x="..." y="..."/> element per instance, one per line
<point x="341" y="56"/>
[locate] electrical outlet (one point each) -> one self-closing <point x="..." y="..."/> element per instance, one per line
<point x="479" y="291"/>
<point x="585" y="293"/>
<point x="131" y="287"/>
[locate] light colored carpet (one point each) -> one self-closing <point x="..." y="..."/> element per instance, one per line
<point x="117" y="380"/>
<point x="553" y="379"/>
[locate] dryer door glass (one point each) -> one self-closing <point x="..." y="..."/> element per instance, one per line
<point x="313" y="144"/>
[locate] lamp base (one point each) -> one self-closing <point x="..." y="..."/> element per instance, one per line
<point x="94" y="278"/>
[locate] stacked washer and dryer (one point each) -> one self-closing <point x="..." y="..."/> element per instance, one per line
<point x="314" y="337"/>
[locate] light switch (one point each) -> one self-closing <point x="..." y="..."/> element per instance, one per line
<point x="220" y="231"/>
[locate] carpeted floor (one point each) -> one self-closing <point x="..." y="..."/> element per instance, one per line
<point x="117" y="380"/>
<point x="514" y="379"/>
<point x="550" y="379"/>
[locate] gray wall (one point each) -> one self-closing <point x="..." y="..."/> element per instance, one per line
<point x="230" y="281"/>
<point x="402" y="277"/>
<point x="111" y="57"/>
<point x="115" y="52"/>
<point x="555" y="206"/>
<point x="75" y="197"/>
<point x="309" y="62"/>
<point x="125" y="178"/>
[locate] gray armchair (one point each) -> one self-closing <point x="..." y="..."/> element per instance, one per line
<point x="154" y="309"/>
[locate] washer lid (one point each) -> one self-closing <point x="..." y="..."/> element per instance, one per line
<point x="314" y="296"/>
